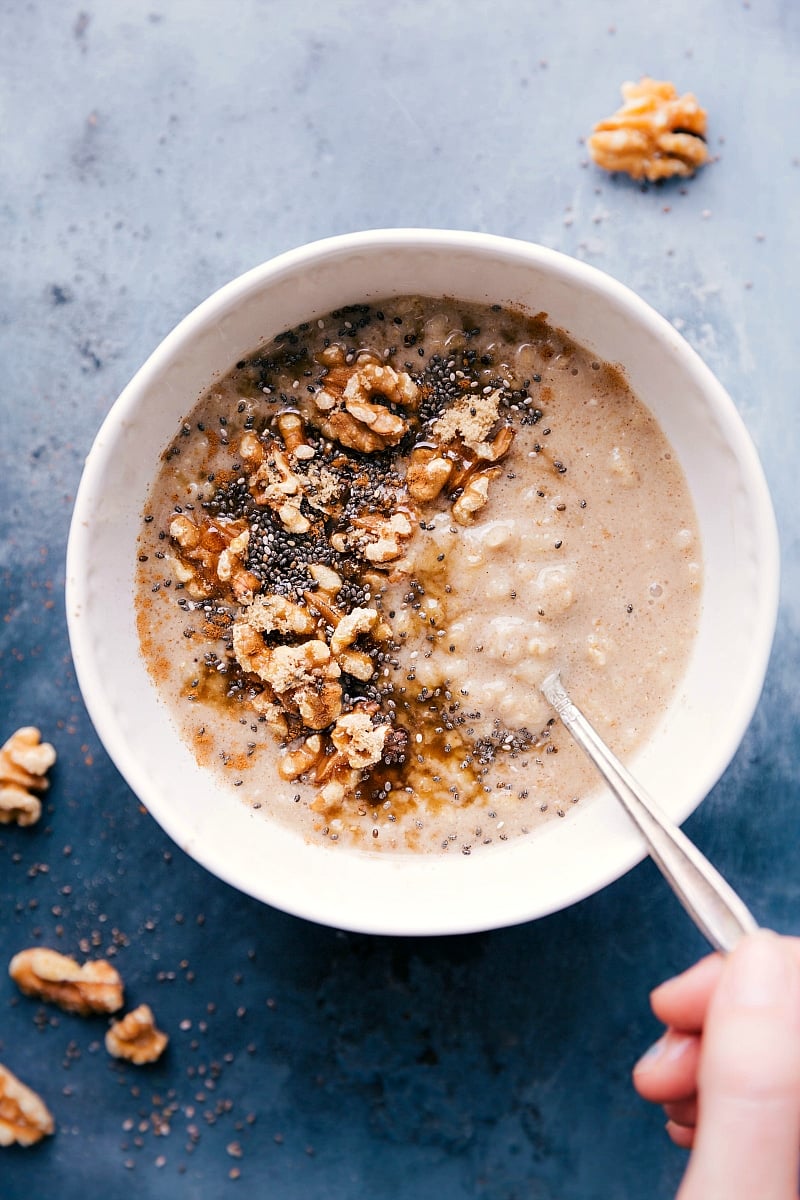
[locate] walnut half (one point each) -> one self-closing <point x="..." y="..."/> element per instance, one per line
<point x="655" y="134"/>
<point x="24" y="1117"/>
<point x="94" y="987"/>
<point x="136" y="1038"/>
<point x="347" y="410"/>
<point x="24" y="762"/>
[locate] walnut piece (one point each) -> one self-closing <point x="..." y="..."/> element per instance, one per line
<point x="333" y="794"/>
<point x="213" y="553"/>
<point x="358" y="739"/>
<point x="655" y="134"/>
<point x="375" y="537"/>
<point x="305" y="676"/>
<point x="293" y="431"/>
<point x="328" y="581"/>
<point x="351" y="626"/>
<point x="24" y="1117"/>
<point x="94" y="987"/>
<point x="136" y="1038"/>
<point x="24" y="762"/>
<point x="427" y="473"/>
<point x="273" y="613"/>
<point x="348" y="413"/>
<point x="294" y="763"/>
<point x="276" y="485"/>
<point x="474" y="497"/>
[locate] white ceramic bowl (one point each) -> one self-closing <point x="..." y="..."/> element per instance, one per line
<point x="565" y="860"/>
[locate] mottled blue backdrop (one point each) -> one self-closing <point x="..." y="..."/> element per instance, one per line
<point x="150" y="152"/>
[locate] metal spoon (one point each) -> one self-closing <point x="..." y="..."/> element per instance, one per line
<point x="711" y="902"/>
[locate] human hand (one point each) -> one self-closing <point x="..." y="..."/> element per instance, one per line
<point x="727" y="1070"/>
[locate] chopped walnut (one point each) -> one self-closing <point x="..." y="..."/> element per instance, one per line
<point x="231" y="569"/>
<point x="333" y="794"/>
<point x="427" y="473"/>
<point x="351" y="626"/>
<point x="358" y="739"/>
<point x="328" y="580"/>
<point x="273" y="714"/>
<point x="294" y="763"/>
<point x="474" y="497"/>
<point x="371" y="378"/>
<point x="293" y="431"/>
<point x="251" y="449"/>
<point x="349" y="414"/>
<point x="212" y="553"/>
<point x="24" y="1117"/>
<point x="655" y="134"/>
<point x="250" y="650"/>
<point x="291" y="666"/>
<point x="184" y="532"/>
<point x="319" y="703"/>
<point x="281" y="489"/>
<point x="273" y="613"/>
<point x="24" y="762"/>
<point x="136" y="1038"/>
<point x="321" y="603"/>
<point x="304" y="677"/>
<point x="377" y="538"/>
<point x="496" y="450"/>
<point x="94" y="987"/>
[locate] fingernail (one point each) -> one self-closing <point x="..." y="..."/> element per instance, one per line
<point x="669" y="1047"/>
<point x="757" y="973"/>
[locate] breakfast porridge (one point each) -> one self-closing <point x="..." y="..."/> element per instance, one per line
<point x="370" y="542"/>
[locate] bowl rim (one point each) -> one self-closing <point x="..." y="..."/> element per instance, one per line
<point x="236" y="292"/>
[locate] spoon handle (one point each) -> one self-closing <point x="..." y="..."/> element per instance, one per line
<point x="714" y="906"/>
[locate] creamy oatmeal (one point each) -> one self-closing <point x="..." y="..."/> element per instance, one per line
<point x="369" y="543"/>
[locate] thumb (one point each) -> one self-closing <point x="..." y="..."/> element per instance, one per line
<point x="748" y="1127"/>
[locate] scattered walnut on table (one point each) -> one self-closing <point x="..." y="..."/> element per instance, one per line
<point x="136" y="1038"/>
<point x="93" y="987"/>
<point x="655" y="134"/>
<point x="24" y="1117"/>
<point x="24" y="762"/>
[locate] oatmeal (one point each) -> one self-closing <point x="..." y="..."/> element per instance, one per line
<point x="369" y="543"/>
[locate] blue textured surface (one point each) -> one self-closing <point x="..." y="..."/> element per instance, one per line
<point x="152" y="151"/>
